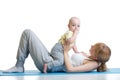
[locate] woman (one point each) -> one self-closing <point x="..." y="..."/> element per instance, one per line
<point x="30" y="44"/>
<point x="99" y="55"/>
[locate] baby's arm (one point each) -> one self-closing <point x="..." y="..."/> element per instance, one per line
<point x="75" y="49"/>
<point x="84" y="54"/>
<point x="71" y="39"/>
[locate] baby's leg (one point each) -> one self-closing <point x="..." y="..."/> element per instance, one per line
<point x="57" y="54"/>
<point x="45" y="68"/>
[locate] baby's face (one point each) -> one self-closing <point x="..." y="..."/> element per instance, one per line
<point x="73" y="24"/>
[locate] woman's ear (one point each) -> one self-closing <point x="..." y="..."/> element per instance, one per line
<point x="95" y="58"/>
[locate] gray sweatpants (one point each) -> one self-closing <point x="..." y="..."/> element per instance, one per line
<point x="30" y="44"/>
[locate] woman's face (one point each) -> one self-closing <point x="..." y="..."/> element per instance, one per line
<point x="92" y="50"/>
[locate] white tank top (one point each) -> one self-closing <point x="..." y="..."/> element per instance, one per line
<point x="77" y="59"/>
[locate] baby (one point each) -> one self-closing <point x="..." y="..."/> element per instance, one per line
<point x="69" y="38"/>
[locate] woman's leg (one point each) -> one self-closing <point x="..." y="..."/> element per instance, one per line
<point x="30" y="43"/>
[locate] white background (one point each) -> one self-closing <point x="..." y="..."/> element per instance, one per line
<point x="100" y="22"/>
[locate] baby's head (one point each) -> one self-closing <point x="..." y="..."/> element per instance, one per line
<point x="74" y="23"/>
<point x="101" y="53"/>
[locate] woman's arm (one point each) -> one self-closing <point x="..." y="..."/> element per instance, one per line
<point x="88" y="66"/>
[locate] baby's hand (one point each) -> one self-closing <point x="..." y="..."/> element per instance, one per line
<point x="45" y="68"/>
<point x="76" y="30"/>
<point x="84" y="54"/>
<point x="78" y="52"/>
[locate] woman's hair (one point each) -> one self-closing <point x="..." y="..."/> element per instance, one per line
<point x="102" y="54"/>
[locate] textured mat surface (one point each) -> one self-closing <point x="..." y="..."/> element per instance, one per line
<point x="37" y="73"/>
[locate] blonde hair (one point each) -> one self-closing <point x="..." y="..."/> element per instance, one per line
<point x="70" y="20"/>
<point x="102" y="54"/>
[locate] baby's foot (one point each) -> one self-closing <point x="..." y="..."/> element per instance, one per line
<point x="14" y="69"/>
<point x="45" y="68"/>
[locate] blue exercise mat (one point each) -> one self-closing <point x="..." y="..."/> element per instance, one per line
<point x="37" y="73"/>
